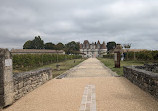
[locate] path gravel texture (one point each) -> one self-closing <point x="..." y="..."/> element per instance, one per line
<point x="112" y="93"/>
<point x="89" y="68"/>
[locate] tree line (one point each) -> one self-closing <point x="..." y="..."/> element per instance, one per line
<point x="37" y="43"/>
<point x="69" y="48"/>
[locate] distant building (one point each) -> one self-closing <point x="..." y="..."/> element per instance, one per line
<point x="93" y="49"/>
<point x="36" y="51"/>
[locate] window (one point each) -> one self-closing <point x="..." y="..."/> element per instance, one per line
<point x="87" y="46"/>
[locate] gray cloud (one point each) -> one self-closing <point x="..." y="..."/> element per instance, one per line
<point x="123" y="21"/>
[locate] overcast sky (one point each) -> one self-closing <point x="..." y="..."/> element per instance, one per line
<point x="123" y="21"/>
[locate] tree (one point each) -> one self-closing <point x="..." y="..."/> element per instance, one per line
<point x="38" y="43"/>
<point x="59" y="46"/>
<point x="27" y="45"/>
<point x="111" y="45"/>
<point x="72" y="47"/>
<point x="127" y="47"/>
<point x="49" y="45"/>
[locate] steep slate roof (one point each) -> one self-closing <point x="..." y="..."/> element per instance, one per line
<point x="85" y="42"/>
<point x="98" y="42"/>
<point x="103" y="46"/>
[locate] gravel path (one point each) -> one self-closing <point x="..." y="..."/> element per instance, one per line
<point x="112" y="93"/>
<point x="92" y="67"/>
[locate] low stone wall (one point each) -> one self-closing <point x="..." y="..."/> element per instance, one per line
<point x="146" y="80"/>
<point x="14" y="86"/>
<point x="149" y="67"/>
<point x="28" y="81"/>
<point x="6" y="78"/>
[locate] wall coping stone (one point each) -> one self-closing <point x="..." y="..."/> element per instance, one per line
<point x="147" y="73"/>
<point x="30" y="73"/>
<point x="146" y="80"/>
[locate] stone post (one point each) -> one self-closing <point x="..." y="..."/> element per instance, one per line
<point x="117" y="58"/>
<point x="6" y="78"/>
<point x="134" y="56"/>
<point x="117" y="55"/>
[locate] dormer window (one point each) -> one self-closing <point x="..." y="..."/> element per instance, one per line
<point x="83" y="46"/>
<point x="87" y="46"/>
<point x="98" y="46"/>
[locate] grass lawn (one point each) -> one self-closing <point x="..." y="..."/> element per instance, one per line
<point x="110" y="63"/>
<point x="64" y="66"/>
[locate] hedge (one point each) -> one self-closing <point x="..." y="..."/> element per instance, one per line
<point x="34" y="60"/>
<point x="142" y="55"/>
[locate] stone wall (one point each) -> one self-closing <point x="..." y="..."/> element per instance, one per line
<point x="149" y="67"/>
<point x="14" y="86"/>
<point x="146" y="80"/>
<point x="6" y="78"/>
<point x="28" y="81"/>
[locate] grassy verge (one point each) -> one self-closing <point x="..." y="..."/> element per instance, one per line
<point x="64" y="66"/>
<point x="110" y="63"/>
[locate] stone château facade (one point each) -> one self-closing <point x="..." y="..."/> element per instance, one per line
<point x="93" y="50"/>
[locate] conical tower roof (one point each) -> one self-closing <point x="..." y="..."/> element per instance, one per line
<point x="98" y="42"/>
<point x="103" y="46"/>
<point x="85" y="42"/>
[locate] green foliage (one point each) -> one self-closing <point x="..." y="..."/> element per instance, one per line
<point x="143" y="55"/>
<point x="49" y="45"/>
<point x="72" y="47"/>
<point x="36" y="43"/>
<point x="64" y="66"/>
<point x="110" y="56"/>
<point x="27" y="45"/>
<point x="110" y="64"/>
<point x="59" y="46"/>
<point x="36" y="60"/>
<point x="111" y="45"/>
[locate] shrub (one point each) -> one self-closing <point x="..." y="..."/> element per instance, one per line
<point x="34" y="60"/>
<point x="143" y="55"/>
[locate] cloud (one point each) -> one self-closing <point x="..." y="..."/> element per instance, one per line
<point x="123" y="21"/>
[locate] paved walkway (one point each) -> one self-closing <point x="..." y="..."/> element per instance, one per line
<point x="97" y="92"/>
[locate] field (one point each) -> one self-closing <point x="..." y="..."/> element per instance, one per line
<point x="110" y="63"/>
<point x="64" y="66"/>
